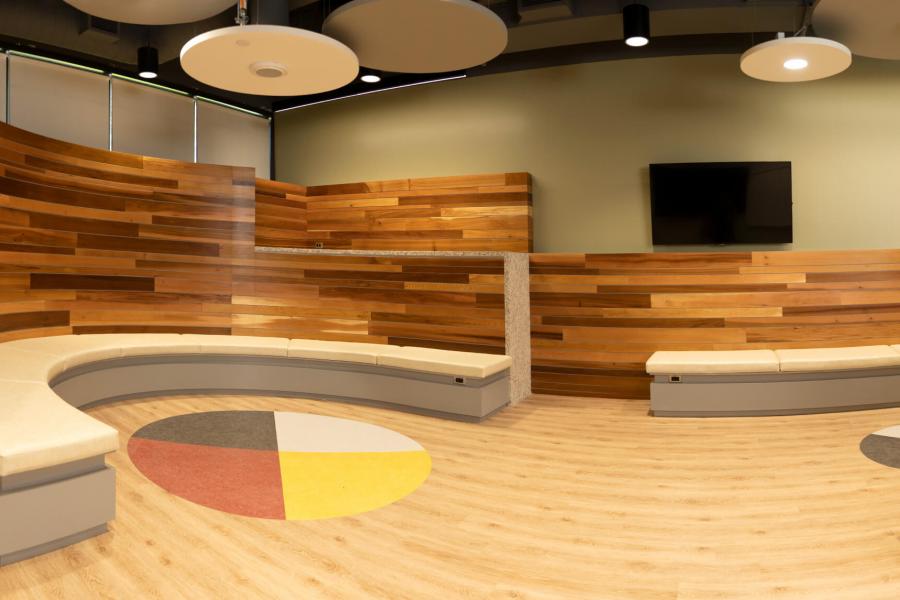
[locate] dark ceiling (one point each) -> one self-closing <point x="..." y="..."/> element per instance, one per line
<point x="542" y="33"/>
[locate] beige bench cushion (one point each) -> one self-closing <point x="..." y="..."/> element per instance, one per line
<point x="38" y="429"/>
<point x="71" y="350"/>
<point x="356" y="352"/>
<point x="713" y="362"/>
<point x="239" y="344"/>
<point x="26" y="366"/>
<point x="837" y="359"/>
<point x="142" y="344"/>
<point x="444" y="362"/>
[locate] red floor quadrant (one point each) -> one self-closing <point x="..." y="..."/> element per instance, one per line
<point x="235" y="480"/>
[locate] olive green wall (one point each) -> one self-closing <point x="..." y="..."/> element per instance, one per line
<point x="587" y="133"/>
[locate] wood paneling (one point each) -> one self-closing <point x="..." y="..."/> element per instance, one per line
<point x="93" y="241"/>
<point x="597" y="318"/>
<point x="478" y="212"/>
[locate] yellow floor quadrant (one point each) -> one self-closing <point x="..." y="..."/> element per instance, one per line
<point x="319" y="485"/>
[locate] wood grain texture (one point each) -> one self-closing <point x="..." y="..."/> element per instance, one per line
<point x="555" y="499"/>
<point x="597" y="318"/>
<point x="93" y="241"/>
<point x="478" y="212"/>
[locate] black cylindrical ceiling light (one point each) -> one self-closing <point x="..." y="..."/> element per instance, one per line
<point x="148" y="62"/>
<point x="636" y="24"/>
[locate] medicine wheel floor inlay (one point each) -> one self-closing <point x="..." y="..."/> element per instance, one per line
<point x="279" y="465"/>
<point x="883" y="446"/>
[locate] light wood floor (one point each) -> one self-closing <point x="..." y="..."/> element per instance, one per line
<point x="558" y="498"/>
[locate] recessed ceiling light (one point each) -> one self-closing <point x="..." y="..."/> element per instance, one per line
<point x="795" y="64"/>
<point x="370" y="78"/>
<point x="275" y="61"/>
<point x="636" y="25"/>
<point x="798" y="58"/>
<point x="268" y="69"/>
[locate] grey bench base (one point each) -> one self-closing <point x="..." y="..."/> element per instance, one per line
<point x="774" y="393"/>
<point x="464" y="398"/>
<point x="47" y="509"/>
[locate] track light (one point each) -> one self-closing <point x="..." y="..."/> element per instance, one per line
<point x="148" y="62"/>
<point x="636" y="25"/>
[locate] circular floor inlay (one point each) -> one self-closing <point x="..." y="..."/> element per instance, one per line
<point x="279" y="465"/>
<point x="883" y="446"/>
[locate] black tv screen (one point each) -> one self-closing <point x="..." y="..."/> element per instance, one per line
<point x="721" y="203"/>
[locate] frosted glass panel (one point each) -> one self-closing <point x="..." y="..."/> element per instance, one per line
<point x="3" y="81"/>
<point x="59" y="102"/>
<point x="230" y="137"/>
<point x="152" y="122"/>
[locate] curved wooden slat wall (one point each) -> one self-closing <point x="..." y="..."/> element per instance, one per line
<point x="474" y="212"/>
<point x="597" y="318"/>
<point x="95" y="241"/>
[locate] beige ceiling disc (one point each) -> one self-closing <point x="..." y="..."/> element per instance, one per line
<point x="153" y="12"/>
<point x="418" y="36"/>
<point x="793" y="59"/>
<point x="868" y="27"/>
<point x="269" y="60"/>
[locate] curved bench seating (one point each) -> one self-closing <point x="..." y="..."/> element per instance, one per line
<point x="50" y="450"/>
<point x="774" y="382"/>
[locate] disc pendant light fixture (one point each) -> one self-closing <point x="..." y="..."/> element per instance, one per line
<point x="636" y="25"/>
<point x="152" y="12"/>
<point x="269" y="60"/>
<point x="794" y="59"/>
<point x="418" y="36"/>
<point x="867" y="27"/>
<point x="148" y="62"/>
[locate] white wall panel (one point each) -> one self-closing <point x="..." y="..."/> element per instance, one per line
<point x="3" y="82"/>
<point x="59" y="102"/>
<point x="152" y="122"/>
<point x="231" y="137"/>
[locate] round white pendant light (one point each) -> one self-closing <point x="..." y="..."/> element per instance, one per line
<point x="868" y="27"/>
<point x="269" y="60"/>
<point x="418" y="36"/>
<point x="793" y="59"/>
<point x="152" y="12"/>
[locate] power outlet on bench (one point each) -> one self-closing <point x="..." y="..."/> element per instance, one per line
<point x="459" y="380"/>
<point x="675" y="379"/>
<point x="320" y="245"/>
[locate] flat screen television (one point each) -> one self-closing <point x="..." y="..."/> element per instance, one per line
<point x="721" y="203"/>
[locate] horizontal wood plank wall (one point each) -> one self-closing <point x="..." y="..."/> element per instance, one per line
<point x="597" y="318"/>
<point x="477" y="212"/>
<point x="93" y="241"/>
